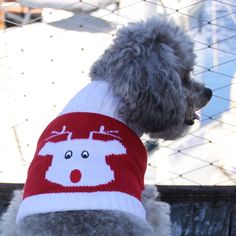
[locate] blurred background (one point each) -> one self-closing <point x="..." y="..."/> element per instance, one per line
<point x="48" y="46"/>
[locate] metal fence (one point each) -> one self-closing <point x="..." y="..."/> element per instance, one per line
<point x="46" y="49"/>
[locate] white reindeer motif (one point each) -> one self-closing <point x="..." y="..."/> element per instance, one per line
<point x="81" y="162"/>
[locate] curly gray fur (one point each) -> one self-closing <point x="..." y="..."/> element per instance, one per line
<point x="148" y="67"/>
<point x="94" y="223"/>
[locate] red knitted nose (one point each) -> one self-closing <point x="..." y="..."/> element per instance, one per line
<point x="75" y="176"/>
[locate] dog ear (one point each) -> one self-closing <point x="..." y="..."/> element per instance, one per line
<point x="145" y="77"/>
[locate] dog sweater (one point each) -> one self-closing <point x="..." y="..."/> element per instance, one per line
<point x="85" y="161"/>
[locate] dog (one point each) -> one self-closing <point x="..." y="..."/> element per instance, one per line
<point x="87" y="175"/>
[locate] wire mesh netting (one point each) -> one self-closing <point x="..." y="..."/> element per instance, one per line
<point x="47" y="48"/>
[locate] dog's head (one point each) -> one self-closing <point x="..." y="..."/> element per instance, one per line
<point x="149" y="68"/>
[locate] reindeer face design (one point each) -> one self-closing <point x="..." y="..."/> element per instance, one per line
<point x="81" y="162"/>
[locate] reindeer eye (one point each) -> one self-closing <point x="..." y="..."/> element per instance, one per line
<point x="68" y="154"/>
<point x="85" y="154"/>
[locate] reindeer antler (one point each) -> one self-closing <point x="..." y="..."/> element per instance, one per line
<point x="112" y="133"/>
<point x="57" y="133"/>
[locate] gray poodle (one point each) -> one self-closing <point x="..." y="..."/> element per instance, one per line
<point x="141" y="84"/>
